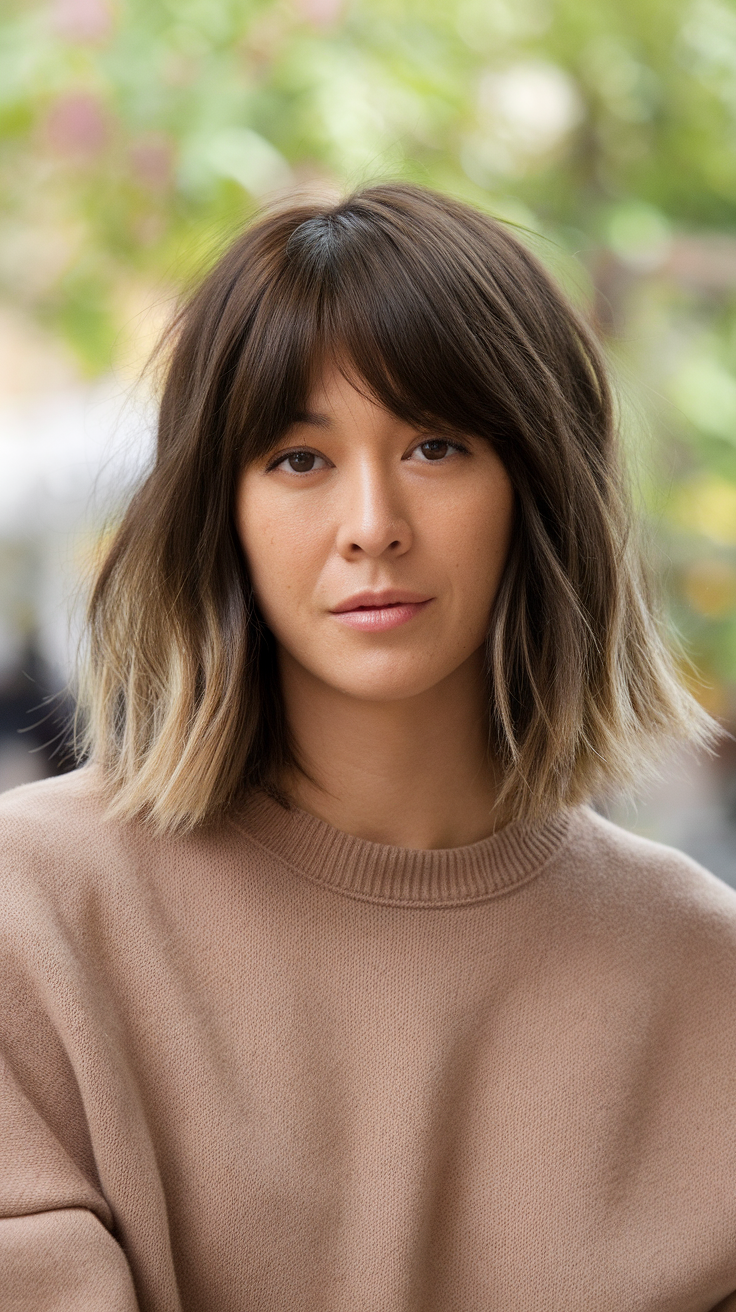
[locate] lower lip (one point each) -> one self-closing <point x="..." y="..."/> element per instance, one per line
<point x="377" y="619"/>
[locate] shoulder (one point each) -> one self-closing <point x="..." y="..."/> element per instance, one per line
<point x="656" y="905"/>
<point x="54" y="820"/>
<point x="613" y="858"/>
<point x="65" y="859"/>
<point x="57" y="799"/>
<point x="52" y="840"/>
<point x="62" y="855"/>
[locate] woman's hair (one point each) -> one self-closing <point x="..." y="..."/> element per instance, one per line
<point x="444" y="317"/>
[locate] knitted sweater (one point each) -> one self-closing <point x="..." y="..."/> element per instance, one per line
<point x="272" y="1066"/>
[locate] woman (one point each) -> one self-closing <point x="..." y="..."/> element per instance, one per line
<point x="325" y="989"/>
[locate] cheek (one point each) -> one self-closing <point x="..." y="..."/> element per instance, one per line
<point x="476" y="540"/>
<point x="261" y="538"/>
<point x="279" y="550"/>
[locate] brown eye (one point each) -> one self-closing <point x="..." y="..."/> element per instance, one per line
<point x="301" y="461"/>
<point x="435" y="449"/>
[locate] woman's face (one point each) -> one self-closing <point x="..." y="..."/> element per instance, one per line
<point x="375" y="549"/>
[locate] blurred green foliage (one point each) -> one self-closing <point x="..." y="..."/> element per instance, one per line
<point x="137" y="136"/>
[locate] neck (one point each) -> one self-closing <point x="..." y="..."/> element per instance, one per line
<point x="414" y="772"/>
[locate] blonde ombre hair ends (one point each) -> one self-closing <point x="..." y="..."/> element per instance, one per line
<point x="444" y="316"/>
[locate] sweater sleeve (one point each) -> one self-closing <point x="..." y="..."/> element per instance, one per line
<point x="59" y="1238"/>
<point x="57" y="1252"/>
<point x="62" y="1261"/>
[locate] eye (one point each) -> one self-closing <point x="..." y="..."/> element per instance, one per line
<point x="436" y="448"/>
<point x="299" y="462"/>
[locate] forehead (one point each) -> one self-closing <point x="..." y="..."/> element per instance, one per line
<point x="335" y="384"/>
<point x="338" y="396"/>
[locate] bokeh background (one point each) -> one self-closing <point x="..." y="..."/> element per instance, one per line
<point x="138" y="136"/>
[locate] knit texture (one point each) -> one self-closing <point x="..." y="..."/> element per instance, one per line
<point x="271" y="1067"/>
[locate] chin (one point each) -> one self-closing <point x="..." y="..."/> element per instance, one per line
<point x="389" y="686"/>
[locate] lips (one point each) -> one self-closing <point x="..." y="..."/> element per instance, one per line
<point x="380" y="600"/>
<point x="375" y="612"/>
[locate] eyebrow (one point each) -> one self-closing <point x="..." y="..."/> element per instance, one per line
<point x="312" y="418"/>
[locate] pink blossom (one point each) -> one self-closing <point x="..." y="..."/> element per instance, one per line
<point x="81" y="20"/>
<point x="76" y="126"/>
<point x="322" y="13"/>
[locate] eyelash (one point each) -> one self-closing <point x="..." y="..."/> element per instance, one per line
<point x="284" y="455"/>
<point x="297" y="450"/>
<point x="454" y="446"/>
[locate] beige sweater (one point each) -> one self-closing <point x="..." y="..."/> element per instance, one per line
<point x="277" y="1068"/>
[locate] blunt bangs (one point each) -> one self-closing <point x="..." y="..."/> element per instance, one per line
<point x="445" y="318"/>
<point x="433" y="333"/>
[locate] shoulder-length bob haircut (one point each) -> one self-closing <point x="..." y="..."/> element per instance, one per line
<point x="446" y="318"/>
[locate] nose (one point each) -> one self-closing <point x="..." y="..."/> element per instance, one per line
<point x="372" y="520"/>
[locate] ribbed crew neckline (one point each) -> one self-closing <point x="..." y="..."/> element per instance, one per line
<point x="403" y="876"/>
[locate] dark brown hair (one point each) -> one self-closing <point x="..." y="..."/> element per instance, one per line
<point x="445" y="316"/>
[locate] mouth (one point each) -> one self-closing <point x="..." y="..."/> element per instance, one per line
<point x="378" y="611"/>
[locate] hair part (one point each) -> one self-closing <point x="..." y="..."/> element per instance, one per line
<point x="444" y="317"/>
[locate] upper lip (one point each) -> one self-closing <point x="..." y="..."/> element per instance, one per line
<point x="375" y="600"/>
